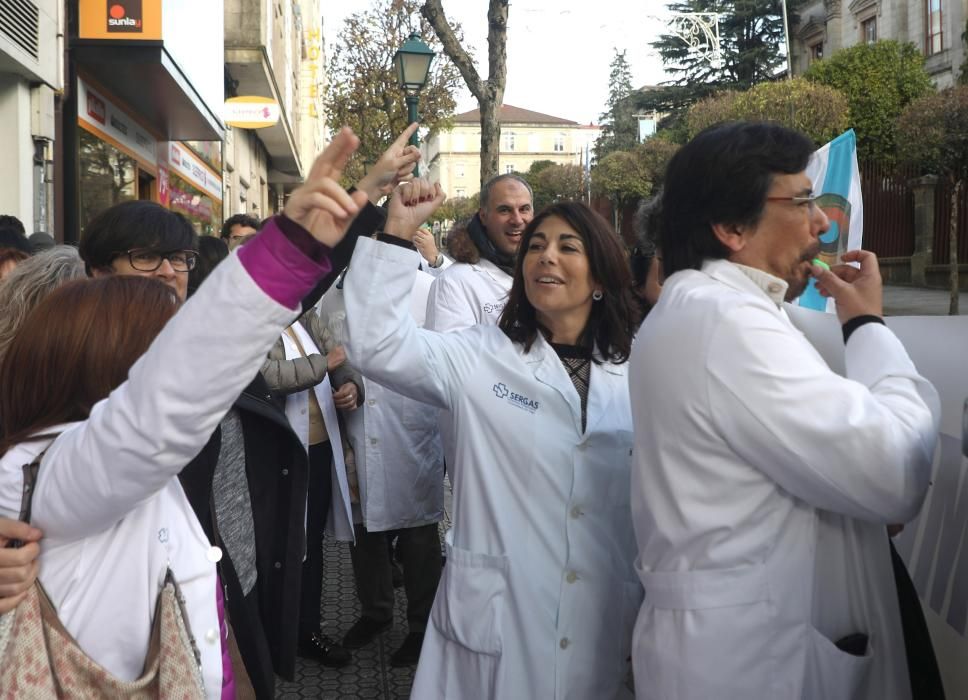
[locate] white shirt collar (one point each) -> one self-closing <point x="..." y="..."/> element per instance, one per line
<point x="773" y="287"/>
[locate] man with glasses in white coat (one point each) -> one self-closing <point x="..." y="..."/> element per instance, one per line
<point x="762" y="480"/>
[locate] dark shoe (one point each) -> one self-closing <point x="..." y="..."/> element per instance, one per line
<point x="325" y="651"/>
<point x="364" y="631"/>
<point x="409" y="652"/>
<point x="396" y="574"/>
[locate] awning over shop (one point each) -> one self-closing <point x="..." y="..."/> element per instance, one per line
<point x="147" y="79"/>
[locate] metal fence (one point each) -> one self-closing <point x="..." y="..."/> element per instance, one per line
<point x="888" y="209"/>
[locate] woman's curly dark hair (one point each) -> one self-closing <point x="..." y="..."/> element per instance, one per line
<point x="613" y="319"/>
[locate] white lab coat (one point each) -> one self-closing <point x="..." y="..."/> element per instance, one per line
<point x="539" y="593"/>
<point x="465" y="295"/>
<point x="399" y="458"/>
<point x="108" y="499"/>
<point x="761" y="487"/>
<point x="462" y="296"/>
<point x="339" y="520"/>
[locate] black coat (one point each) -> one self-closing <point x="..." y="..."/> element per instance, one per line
<point x="265" y="622"/>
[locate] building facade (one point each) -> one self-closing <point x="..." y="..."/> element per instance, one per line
<point x="31" y="75"/>
<point x="139" y="116"/>
<point x="454" y="157"/>
<point x="935" y="26"/>
<point x="274" y="49"/>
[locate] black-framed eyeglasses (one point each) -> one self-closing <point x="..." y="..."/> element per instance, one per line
<point x="148" y="260"/>
<point x="809" y="201"/>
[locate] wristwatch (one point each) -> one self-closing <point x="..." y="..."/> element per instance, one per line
<point x="438" y="262"/>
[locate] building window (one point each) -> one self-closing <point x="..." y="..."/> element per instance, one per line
<point x="868" y="30"/>
<point x="560" y="143"/>
<point x="459" y="170"/>
<point x="457" y="142"/>
<point x="934" y="41"/>
<point x="816" y="51"/>
<point x="461" y="192"/>
<point x="509" y="141"/>
<point x="508" y="169"/>
<point x="647" y="127"/>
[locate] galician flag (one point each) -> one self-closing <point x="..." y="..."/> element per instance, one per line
<point x="836" y="178"/>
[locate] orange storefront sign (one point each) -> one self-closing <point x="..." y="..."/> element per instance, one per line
<point x="125" y="20"/>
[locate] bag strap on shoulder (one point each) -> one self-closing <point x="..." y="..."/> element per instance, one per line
<point x="30" y="481"/>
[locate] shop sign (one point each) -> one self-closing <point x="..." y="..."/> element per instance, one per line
<point x="193" y="169"/>
<point x="314" y="41"/>
<point x="128" y="20"/>
<point x="114" y="124"/>
<point x="250" y="112"/>
<point x="164" y="191"/>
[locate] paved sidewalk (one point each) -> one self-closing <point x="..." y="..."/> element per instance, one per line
<point x="369" y="675"/>
<point x="914" y="301"/>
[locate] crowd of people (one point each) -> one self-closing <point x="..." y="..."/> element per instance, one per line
<point x="659" y="486"/>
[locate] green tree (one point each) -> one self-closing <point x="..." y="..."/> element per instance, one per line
<point x="819" y="111"/>
<point x="625" y="177"/>
<point x="752" y="44"/>
<point x="363" y="91"/>
<point x="536" y="167"/>
<point x="932" y="132"/>
<point x="555" y="182"/>
<point x="752" y="50"/>
<point x="619" y="127"/>
<point x="457" y="209"/>
<point x="879" y="81"/>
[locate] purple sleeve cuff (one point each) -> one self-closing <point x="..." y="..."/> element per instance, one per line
<point x="285" y="261"/>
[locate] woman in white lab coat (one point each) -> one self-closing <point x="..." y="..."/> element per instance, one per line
<point x="115" y="430"/>
<point x="539" y="595"/>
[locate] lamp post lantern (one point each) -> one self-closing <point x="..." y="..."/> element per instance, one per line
<point x="411" y="63"/>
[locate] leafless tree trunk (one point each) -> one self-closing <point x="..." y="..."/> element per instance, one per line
<point x="489" y="93"/>
<point x="953" y="244"/>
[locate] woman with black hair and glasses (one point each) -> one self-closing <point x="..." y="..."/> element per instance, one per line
<point x="539" y="595"/>
<point x="141" y="238"/>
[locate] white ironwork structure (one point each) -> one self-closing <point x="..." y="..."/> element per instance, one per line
<point x="700" y="32"/>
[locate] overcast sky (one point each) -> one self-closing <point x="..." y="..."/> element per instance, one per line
<point x="558" y="52"/>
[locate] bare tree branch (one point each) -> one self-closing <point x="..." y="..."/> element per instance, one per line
<point x="433" y="12"/>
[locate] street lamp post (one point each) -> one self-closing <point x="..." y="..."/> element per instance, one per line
<point x="411" y="63"/>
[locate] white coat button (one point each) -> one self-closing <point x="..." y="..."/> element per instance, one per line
<point x="211" y="636"/>
<point x="773" y="288"/>
<point x="571" y="577"/>
<point x="214" y="555"/>
<point x="374" y="440"/>
<point x="303" y="411"/>
<point x="564" y="642"/>
<point x="371" y="402"/>
<point x="582" y="447"/>
<point x="575" y="512"/>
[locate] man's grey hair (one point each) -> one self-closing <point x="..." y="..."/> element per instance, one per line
<point x="486" y="192"/>
<point x="30" y="282"/>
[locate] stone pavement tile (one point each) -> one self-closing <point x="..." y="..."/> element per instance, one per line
<point x="916" y="301"/>
<point x="369" y="675"/>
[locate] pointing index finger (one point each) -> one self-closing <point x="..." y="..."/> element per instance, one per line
<point x="405" y="135"/>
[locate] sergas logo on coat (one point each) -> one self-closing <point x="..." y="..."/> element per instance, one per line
<point x="124" y="15"/>
<point x="523" y="402"/>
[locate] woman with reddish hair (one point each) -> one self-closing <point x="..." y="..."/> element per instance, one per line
<point x="106" y="387"/>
